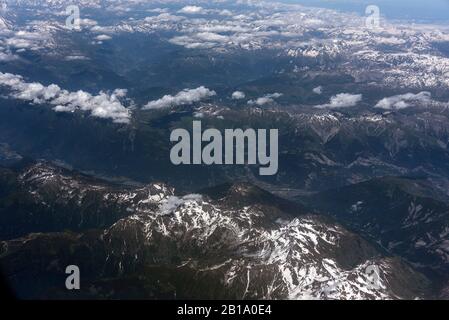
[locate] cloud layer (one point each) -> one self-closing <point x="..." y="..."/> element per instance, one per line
<point x="318" y="90"/>
<point x="185" y="97"/>
<point x="342" y="100"/>
<point x="103" y="105"/>
<point x="405" y="100"/>
<point x="191" y="10"/>
<point x="238" y="95"/>
<point x="266" y="99"/>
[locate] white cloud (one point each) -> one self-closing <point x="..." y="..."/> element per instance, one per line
<point x="88" y="22"/>
<point x="191" y="10"/>
<point x="76" y="58"/>
<point x="8" y="56"/>
<point x="163" y="18"/>
<point x="185" y="97"/>
<point x="238" y="95"/>
<point x="225" y="12"/>
<point x="159" y="10"/>
<point x="342" y="100"/>
<point x="35" y="36"/>
<point x="19" y="43"/>
<point x="103" y="37"/>
<point x="404" y="100"/>
<point x="103" y="105"/>
<point x="202" y="40"/>
<point x="212" y="37"/>
<point x="191" y="43"/>
<point x="269" y="98"/>
<point x="318" y="90"/>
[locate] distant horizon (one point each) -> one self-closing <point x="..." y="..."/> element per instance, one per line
<point x="432" y="11"/>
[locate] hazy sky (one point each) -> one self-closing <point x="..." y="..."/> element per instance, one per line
<point x="419" y="10"/>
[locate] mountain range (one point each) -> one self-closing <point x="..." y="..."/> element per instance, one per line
<point x="359" y="207"/>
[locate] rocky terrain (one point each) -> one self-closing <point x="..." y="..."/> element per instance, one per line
<point x="405" y="215"/>
<point x="86" y="113"/>
<point x="236" y="241"/>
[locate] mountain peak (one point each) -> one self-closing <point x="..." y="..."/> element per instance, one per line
<point x="246" y="194"/>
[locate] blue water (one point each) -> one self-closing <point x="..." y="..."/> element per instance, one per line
<point x="428" y="11"/>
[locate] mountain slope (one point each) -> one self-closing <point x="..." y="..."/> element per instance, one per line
<point x="228" y="243"/>
<point x="405" y="215"/>
<point x="43" y="198"/>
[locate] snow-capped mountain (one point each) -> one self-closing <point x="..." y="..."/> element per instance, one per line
<point x="363" y="119"/>
<point x="407" y="216"/>
<point x="242" y="241"/>
<point x="60" y="200"/>
<point x="395" y="55"/>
